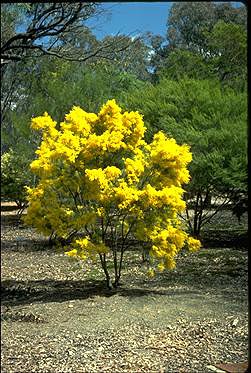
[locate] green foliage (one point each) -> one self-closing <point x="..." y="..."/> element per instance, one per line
<point x="34" y="85"/>
<point x="12" y="15"/>
<point x="225" y="11"/>
<point x="184" y="64"/>
<point x="187" y="24"/>
<point x="210" y="119"/>
<point x="228" y="44"/>
<point x="55" y="86"/>
<point x="15" y="175"/>
<point x="134" y="59"/>
<point x="44" y="26"/>
<point x="204" y="41"/>
<point x="190" y="22"/>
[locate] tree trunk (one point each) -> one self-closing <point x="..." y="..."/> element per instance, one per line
<point x="196" y="216"/>
<point x="118" y="267"/>
<point x="104" y="266"/>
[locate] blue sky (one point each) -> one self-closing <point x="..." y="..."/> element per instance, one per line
<point x="132" y="18"/>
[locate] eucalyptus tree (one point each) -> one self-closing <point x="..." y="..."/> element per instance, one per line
<point x="201" y="38"/>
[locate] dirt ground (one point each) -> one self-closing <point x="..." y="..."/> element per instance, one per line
<point x="57" y="315"/>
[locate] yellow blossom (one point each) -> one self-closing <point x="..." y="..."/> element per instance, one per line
<point x="44" y="122"/>
<point x="72" y="253"/>
<point x="99" y="177"/>
<point x="193" y="244"/>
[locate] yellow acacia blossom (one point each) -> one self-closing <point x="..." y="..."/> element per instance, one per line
<point x="97" y="169"/>
<point x="125" y="195"/>
<point x="43" y="122"/>
<point x="84" y="249"/>
<point x="72" y="253"/>
<point x="98" y="176"/>
<point x="79" y="121"/>
<point x="135" y="167"/>
<point x="167" y="154"/>
<point x="193" y="244"/>
<point x="112" y="172"/>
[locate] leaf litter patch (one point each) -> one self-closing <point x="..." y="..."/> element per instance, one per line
<point x="58" y="317"/>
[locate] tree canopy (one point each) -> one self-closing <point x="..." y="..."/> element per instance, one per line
<point x="203" y="40"/>
<point x="205" y="116"/>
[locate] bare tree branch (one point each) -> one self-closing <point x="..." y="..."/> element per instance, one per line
<point x="48" y="21"/>
<point x="52" y="31"/>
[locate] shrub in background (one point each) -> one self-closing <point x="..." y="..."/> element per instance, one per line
<point x="15" y="176"/>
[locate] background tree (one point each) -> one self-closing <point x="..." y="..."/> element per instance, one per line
<point x="135" y="58"/>
<point x="58" y="28"/>
<point x="189" y="23"/>
<point x="226" y="12"/>
<point x="12" y="16"/>
<point x="182" y="63"/>
<point x="56" y="86"/>
<point x="205" y="116"/>
<point x="192" y="33"/>
<point x="46" y="29"/>
<point x="228" y="44"/>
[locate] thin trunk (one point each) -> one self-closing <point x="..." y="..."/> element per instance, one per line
<point x="104" y="266"/>
<point x="52" y="239"/>
<point x="118" y="269"/>
<point x="207" y="218"/>
<point x="115" y="266"/>
<point x="195" y="219"/>
<point x="115" y="259"/>
<point x="200" y="213"/>
<point x="121" y="261"/>
<point x="189" y="219"/>
<point x="207" y="200"/>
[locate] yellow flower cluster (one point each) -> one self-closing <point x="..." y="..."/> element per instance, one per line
<point x="135" y="167"/>
<point x="167" y="155"/>
<point x="193" y="244"/>
<point x="167" y="196"/>
<point x="167" y="243"/>
<point x="85" y="249"/>
<point x="43" y="123"/>
<point x="125" y="195"/>
<point x="99" y="165"/>
<point x="78" y="121"/>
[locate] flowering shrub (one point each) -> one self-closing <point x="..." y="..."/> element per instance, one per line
<point x="100" y="179"/>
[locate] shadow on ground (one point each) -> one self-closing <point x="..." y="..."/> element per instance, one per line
<point x="10" y="220"/>
<point x="218" y="238"/>
<point x="27" y="245"/>
<point x="25" y="292"/>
